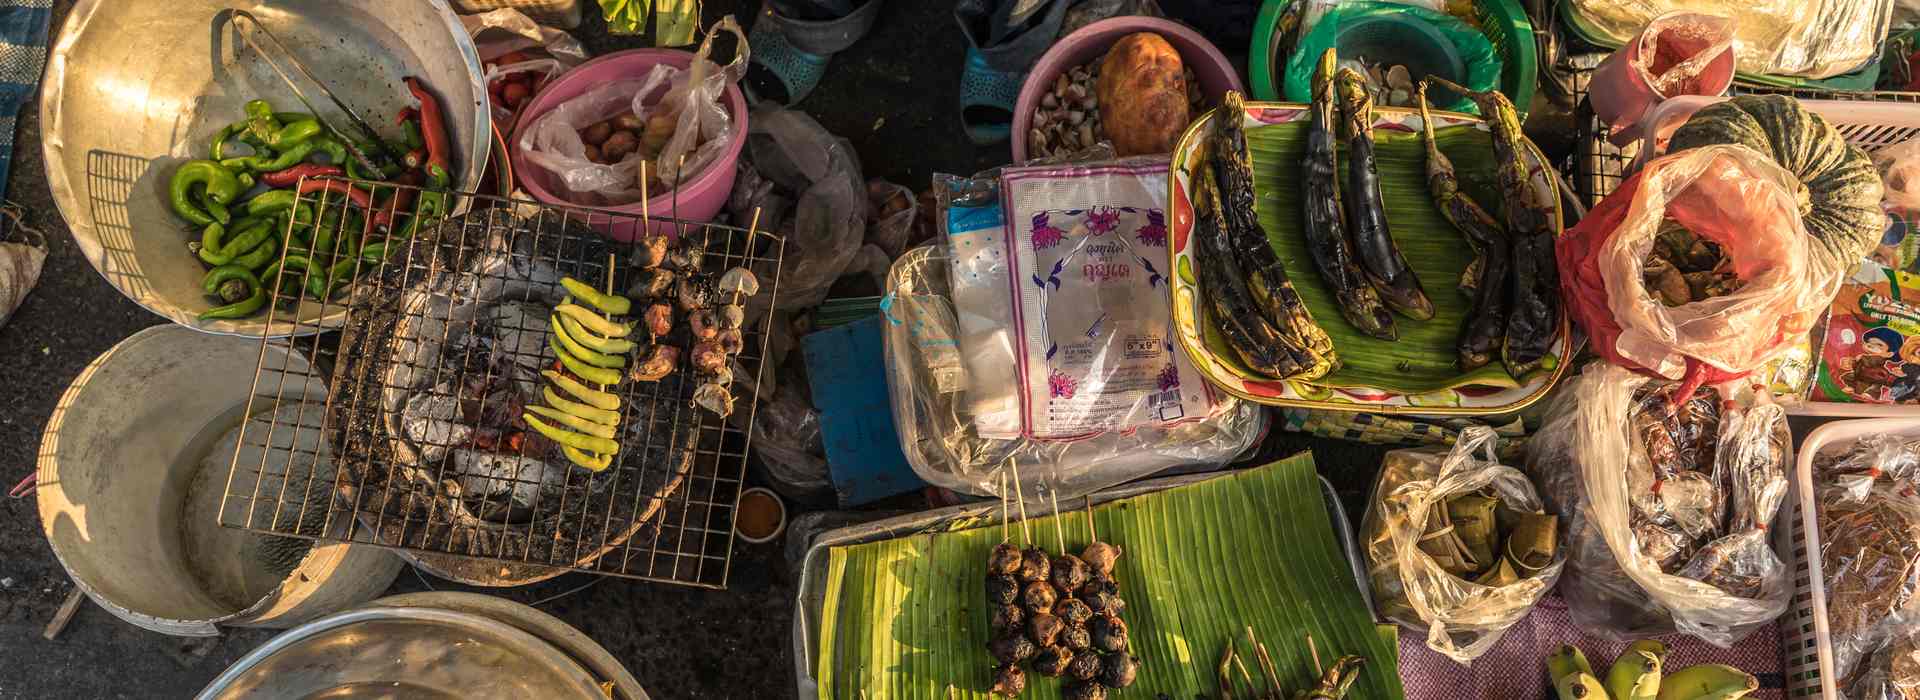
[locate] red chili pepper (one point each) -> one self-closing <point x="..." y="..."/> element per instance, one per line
<point x="359" y="197"/>
<point x="291" y="176"/>
<point x="433" y="128"/>
<point x="402" y="200"/>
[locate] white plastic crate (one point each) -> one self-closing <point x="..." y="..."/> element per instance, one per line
<point x="1806" y="645"/>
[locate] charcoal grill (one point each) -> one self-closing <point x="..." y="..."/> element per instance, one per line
<point x="445" y="333"/>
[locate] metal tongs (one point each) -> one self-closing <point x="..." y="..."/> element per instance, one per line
<point x="380" y="160"/>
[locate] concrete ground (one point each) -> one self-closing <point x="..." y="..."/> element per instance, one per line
<point x="892" y="95"/>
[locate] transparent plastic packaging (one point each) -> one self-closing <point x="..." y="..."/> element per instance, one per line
<point x="1731" y="196"/>
<point x="1633" y="483"/>
<point x="806" y="182"/>
<point x="1461" y="618"/>
<point x="937" y="425"/>
<point x="693" y="99"/>
<point x="1899" y="166"/>
<point x="1799" y="38"/>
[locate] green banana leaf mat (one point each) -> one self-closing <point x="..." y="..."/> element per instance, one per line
<point x="1423" y="358"/>
<point x="907" y="617"/>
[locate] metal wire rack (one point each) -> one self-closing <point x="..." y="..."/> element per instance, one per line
<point x="445" y="328"/>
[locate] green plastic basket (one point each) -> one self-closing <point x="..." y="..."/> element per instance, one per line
<point x="1857" y="81"/>
<point x="1504" y="23"/>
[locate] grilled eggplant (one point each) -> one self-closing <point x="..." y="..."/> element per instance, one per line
<point x="1386" y="268"/>
<point x="1325" y="230"/>
<point x="1528" y="209"/>
<point x="1253" y="339"/>
<point x="1485" y="281"/>
<point x="1267" y="281"/>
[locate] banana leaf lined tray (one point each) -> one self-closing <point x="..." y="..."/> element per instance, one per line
<point x="1416" y="373"/>
<point x="897" y="609"/>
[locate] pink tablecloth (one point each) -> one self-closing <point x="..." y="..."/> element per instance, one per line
<point x="1514" y="669"/>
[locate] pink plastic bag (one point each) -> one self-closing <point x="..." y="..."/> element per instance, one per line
<point x="1734" y="197"/>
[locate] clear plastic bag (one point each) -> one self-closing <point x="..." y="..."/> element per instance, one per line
<point x="891" y="210"/>
<point x="22" y="253"/>
<point x="503" y="31"/>
<point x="1700" y="39"/>
<point x="1891" y="673"/>
<point x="1461" y="618"/>
<point x="1606" y="460"/>
<point x="701" y="132"/>
<point x="1900" y="172"/>
<point x="1870" y="565"/>
<point x="926" y="375"/>
<point x="1731" y="196"/>
<point x="808" y="186"/>
<point x="1799" y="38"/>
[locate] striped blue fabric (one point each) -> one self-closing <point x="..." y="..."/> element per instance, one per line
<point x="23" y="53"/>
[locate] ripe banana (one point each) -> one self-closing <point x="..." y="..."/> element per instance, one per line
<point x="1636" y="674"/>
<point x="1708" y="682"/>
<point x="1567" y="660"/>
<point x="1580" y="686"/>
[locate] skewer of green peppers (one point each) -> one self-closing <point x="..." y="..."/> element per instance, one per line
<point x="592" y="321"/>
<point x="579" y="441"/>
<point x="607" y="303"/>
<point x="586" y="461"/>
<point x="575" y="422"/>
<point x="597" y="375"/>
<point x="593" y="397"/>
<point x="580" y="335"/>
<point x="574" y="408"/>
<point x="581" y="352"/>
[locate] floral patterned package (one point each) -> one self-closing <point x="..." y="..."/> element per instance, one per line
<point x="1087" y="250"/>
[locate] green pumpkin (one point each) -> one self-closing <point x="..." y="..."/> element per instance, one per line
<point x="1841" y="204"/>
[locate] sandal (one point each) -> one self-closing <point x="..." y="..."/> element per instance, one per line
<point x="1000" y="52"/>
<point x="790" y="55"/>
<point x="987" y="97"/>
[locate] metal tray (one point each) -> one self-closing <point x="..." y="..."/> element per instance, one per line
<point x="811" y="596"/>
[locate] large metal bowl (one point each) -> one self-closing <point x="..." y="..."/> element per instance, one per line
<point x="405" y="653"/>
<point x="135" y="87"/>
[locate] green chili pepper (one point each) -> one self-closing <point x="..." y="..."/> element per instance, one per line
<point x="612" y="304"/>
<point x="594" y="322"/>
<point x="218" y="277"/>
<point x="575" y="422"/>
<point x="291" y="117"/>
<point x="584" y="337"/>
<point x="414" y="140"/>
<point x="581" y="353"/>
<point x="274" y="202"/>
<point x="266" y="164"/>
<point x="580" y="368"/>
<point x="587" y="461"/>
<point x="315" y="275"/>
<point x="260" y="255"/>
<point x="260" y="122"/>
<point x="294" y="134"/>
<point x="336" y="152"/>
<point x="575" y="440"/>
<point x="218" y="151"/>
<point x="597" y="415"/>
<point x="593" y="397"/>
<point x="250" y="234"/>
<point x="218" y="186"/>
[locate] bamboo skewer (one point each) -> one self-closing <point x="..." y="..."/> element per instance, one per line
<point x="1026" y="529"/>
<point x="1059" y="534"/>
<point x="1266" y="662"/>
<point x="1006" y="519"/>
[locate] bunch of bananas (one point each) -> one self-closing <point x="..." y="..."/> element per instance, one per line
<point x="1636" y="675"/>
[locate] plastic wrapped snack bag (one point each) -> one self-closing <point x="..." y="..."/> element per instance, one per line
<point x="1668" y="502"/>
<point x="1458" y="545"/>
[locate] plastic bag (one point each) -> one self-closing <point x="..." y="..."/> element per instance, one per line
<point x="1628" y="478"/>
<point x="1900" y="171"/>
<point x="891" y="210"/>
<point x="1800" y="38"/>
<point x="1728" y="195"/>
<point x="1703" y="38"/>
<point x="1475" y="53"/>
<point x="496" y="33"/>
<point x="1870" y="567"/>
<point x="21" y="259"/>
<point x="806" y="182"/>
<point x="701" y="128"/>
<point x="1891" y="673"/>
<point x="936" y="424"/>
<point x="1461" y="618"/>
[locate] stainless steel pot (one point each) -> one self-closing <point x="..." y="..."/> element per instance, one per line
<point x="136" y="87"/>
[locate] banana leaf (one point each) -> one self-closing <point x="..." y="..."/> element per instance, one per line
<point x="1423" y="358"/>
<point x="907" y="618"/>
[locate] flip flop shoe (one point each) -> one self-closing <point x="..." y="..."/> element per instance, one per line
<point x="795" y="52"/>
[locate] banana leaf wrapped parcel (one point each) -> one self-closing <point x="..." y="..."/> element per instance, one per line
<point x="1669" y="502"/>
<point x="1459" y="546"/>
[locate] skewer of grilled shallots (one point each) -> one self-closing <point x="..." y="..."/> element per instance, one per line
<point x="1325" y="226"/>
<point x="1486" y="279"/>
<point x="1380" y="258"/>
<point x="1273" y="292"/>
<point x="1529" y="209"/>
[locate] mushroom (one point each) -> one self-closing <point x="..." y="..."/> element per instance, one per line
<point x="714" y="398"/>
<point x="731" y="342"/>
<point x="659" y="362"/>
<point x="733" y="316"/>
<point x="739" y="282"/>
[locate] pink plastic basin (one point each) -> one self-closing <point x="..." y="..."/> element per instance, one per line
<point x="697" y="200"/>
<point x="1215" y="74"/>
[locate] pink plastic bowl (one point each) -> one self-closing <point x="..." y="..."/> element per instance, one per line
<point x="1216" y="75"/>
<point x="698" y="200"/>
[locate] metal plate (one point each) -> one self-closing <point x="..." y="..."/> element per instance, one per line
<point x="134" y="88"/>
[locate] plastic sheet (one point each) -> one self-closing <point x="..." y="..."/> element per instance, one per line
<point x="22" y="253"/>
<point x="701" y="127"/>
<point x="925" y="375"/>
<point x="1900" y="171"/>
<point x="1461" y="618"/>
<point x="1626" y="501"/>
<point x="1729" y="195"/>
<point x="807" y="185"/>
<point x="1802" y="38"/>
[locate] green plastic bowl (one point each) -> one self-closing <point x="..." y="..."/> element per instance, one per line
<point x="1504" y="23"/>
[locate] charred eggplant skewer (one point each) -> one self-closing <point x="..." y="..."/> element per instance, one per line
<point x="1325" y="228"/>
<point x="1380" y="258"/>
<point x="1251" y="336"/>
<point x="1529" y="212"/>
<point x="1485" y="280"/>
<point x="1232" y="165"/>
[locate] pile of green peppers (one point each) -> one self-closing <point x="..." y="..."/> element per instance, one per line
<point x="253" y="223"/>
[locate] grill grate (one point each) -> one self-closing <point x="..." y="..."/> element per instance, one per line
<point x="442" y="342"/>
